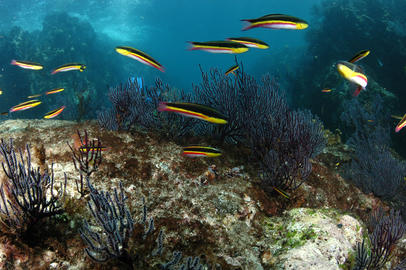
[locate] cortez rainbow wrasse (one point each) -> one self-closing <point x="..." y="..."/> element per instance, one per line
<point x="25" y="105"/>
<point x="200" y="151"/>
<point x="352" y="73"/>
<point x="360" y="55"/>
<point x="232" y="69"/>
<point x="219" y="46"/>
<point x="139" y="56"/>
<point x="326" y="90"/>
<point x="281" y="192"/>
<point x="34" y="96"/>
<point x="193" y="110"/>
<point x="401" y="124"/>
<point x="54" y="91"/>
<point x="250" y="42"/>
<point x="276" y="21"/>
<point x="27" y="65"/>
<point x="54" y="113"/>
<point x="69" y="67"/>
<point x="91" y="149"/>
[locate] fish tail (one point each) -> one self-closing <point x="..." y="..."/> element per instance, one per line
<point x="53" y="72"/>
<point x="357" y="91"/>
<point x="162" y="106"/>
<point x="247" y="25"/>
<point x="191" y="46"/>
<point x="13" y="62"/>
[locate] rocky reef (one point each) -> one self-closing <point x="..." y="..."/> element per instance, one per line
<point x="212" y="208"/>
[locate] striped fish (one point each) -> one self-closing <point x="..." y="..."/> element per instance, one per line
<point x="54" y="113"/>
<point x="219" y="46"/>
<point x="250" y="42"/>
<point x="401" y="124"/>
<point x="200" y="151"/>
<point x="25" y="105"/>
<point x="139" y="56"/>
<point x="360" y="55"/>
<point x="276" y="21"/>
<point x="27" y="65"/>
<point x="232" y="69"/>
<point x="69" y="67"/>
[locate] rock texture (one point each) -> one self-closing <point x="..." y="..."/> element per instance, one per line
<point x="223" y="215"/>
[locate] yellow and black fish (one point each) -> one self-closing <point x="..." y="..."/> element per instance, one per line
<point x="353" y="74"/>
<point x="326" y="90"/>
<point x="200" y="151"/>
<point x="139" y="56"/>
<point x="232" y="69"/>
<point x="54" y="113"/>
<point x="281" y="192"/>
<point x="54" y="91"/>
<point x="276" y="21"/>
<point x="250" y="42"/>
<point x="401" y="124"/>
<point x="92" y="149"/>
<point x="193" y="110"/>
<point x="25" y="105"/>
<point x="219" y="46"/>
<point x="69" y="67"/>
<point x="34" y="96"/>
<point x="27" y="65"/>
<point x="360" y="55"/>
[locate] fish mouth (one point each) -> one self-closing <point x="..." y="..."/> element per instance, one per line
<point x="302" y="25"/>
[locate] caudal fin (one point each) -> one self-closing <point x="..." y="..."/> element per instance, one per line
<point x="162" y="106"/>
<point x="357" y="91"/>
<point x="13" y="62"/>
<point x="247" y="25"/>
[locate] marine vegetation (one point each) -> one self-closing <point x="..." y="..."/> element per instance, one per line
<point x="385" y="231"/>
<point x="28" y="196"/>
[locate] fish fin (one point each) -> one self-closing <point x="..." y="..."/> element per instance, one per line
<point x="357" y="91"/>
<point x="13" y="62"/>
<point x="247" y="25"/>
<point x="53" y="72"/>
<point x="162" y="106"/>
<point x="191" y="46"/>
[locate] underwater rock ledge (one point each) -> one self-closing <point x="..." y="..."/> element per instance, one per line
<point x="227" y="218"/>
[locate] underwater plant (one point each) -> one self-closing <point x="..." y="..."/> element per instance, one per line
<point x="135" y="107"/>
<point x="86" y="157"/>
<point x="113" y="216"/>
<point x="384" y="233"/>
<point x="28" y="195"/>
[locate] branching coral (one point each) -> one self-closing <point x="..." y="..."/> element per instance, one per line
<point x="28" y="196"/>
<point x="384" y="233"/>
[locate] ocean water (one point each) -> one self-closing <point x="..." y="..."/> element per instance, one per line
<point x="303" y="64"/>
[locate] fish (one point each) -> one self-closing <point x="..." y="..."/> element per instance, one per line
<point x="283" y="193"/>
<point x="396" y="117"/>
<point x="54" y="113"/>
<point x="34" y="96"/>
<point x="25" y="105"/>
<point x="218" y="46"/>
<point x="326" y="90"/>
<point x="54" y="91"/>
<point x="92" y="149"/>
<point x="250" y="42"/>
<point x="401" y="124"/>
<point x="370" y="120"/>
<point x="1" y="92"/>
<point x="69" y="67"/>
<point x="4" y="113"/>
<point x="139" y="56"/>
<point x="200" y="151"/>
<point x="27" y="65"/>
<point x="193" y="110"/>
<point x="360" y="55"/>
<point x="276" y="21"/>
<point x="232" y="69"/>
<point x="352" y="73"/>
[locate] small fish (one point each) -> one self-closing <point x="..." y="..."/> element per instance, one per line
<point x="139" y="56"/>
<point x="337" y="164"/>
<point x="54" y="113"/>
<point x="25" y="105"/>
<point x="1" y="92"/>
<point x="250" y="42"/>
<point x="360" y="55"/>
<point x="232" y="69"/>
<point x="91" y="149"/>
<point x="201" y="151"/>
<point x="276" y="21"/>
<point x="401" y="124"/>
<point x="69" y="67"/>
<point x="193" y="110"/>
<point x="27" y="65"/>
<point x="370" y="120"/>
<point x="34" y="96"/>
<point x="219" y="46"/>
<point x="4" y="113"/>
<point x="326" y="90"/>
<point x="54" y="91"/>
<point x="352" y="73"/>
<point x="396" y="117"/>
<point x="283" y="193"/>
